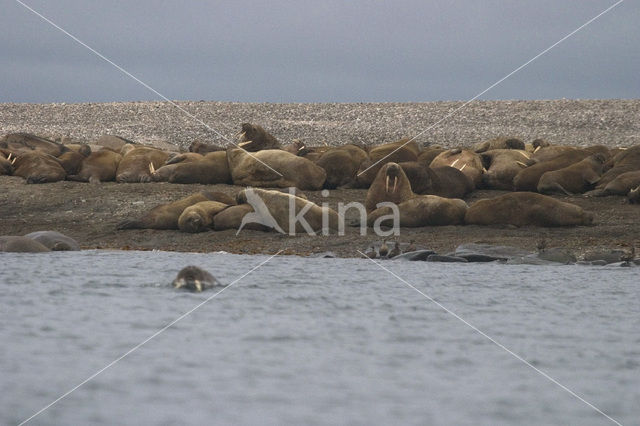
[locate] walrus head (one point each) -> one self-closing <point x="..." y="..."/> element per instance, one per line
<point x="393" y="172"/>
<point x="193" y="278"/>
<point x="634" y="196"/>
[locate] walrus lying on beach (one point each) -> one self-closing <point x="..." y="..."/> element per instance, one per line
<point x="279" y="210"/>
<point x="199" y="216"/>
<point x="465" y="160"/>
<point x="499" y="143"/>
<point x="527" y="179"/>
<point x="526" y="209"/>
<point x="233" y="218"/>
<point x="165" y="216"/>
<point x="390" y="185"/>
<point x="502" y="165"/>
<point x="341" y="164"/>
<point x="394" y="152"/>
<point x="422" y="210"/>
<point x="203" y="148"/>
<point x="574" y="179"/>
<point x="134" y="166"/>
<point x="6" y="162"/>
<point x="99" y="166"/>
<point x="445" y="181"/>
<point x="25" y="142"/>
<point x="112" y="142"/>
<point x="626" y="161"/>
<point x="250" y="169"/>
<point x="254" y="138"/>
<point x="621" y="185"/>
<point x="212" y="168"/>
<point x="38" y="167"/>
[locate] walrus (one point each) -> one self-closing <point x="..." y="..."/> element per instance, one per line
<point x="250" y="169"/>
<point x="54" y="240"/>
<point x="233" y="218"/>
<point x="80" y="148"/>
<point x="502" y="165"/>
<point x="526" y="209"/>
<point x="38" y="167"/>
<point x="278" y="210"/>
<point x="574" y="179"/>
<point x="6" y="163"/>
<point x="165" y="216"/>
<point x="623" y="162"/>
<point x="162" y="174"/>
<point x="634" y="196"/>
<point x="203" y="148"/>
<point x="500" y="142"/>
<point x="193" y="278"/>
<point x="467" y="161"/>
<point x="199" y="216"/>
<point x="422" y="210"/>
<point x="211" y="169"/>
<point x="394" y="152"/>
<point x="99" y="166"/>
<point x="341" y="164"/>
<point x="390" y="185"/>
<point x="254" y="138"/>
<point x="445" y="181"/>
<point x="25" y="142"/>
<point x="621" y="185"/>
<point x="134" y="166"/>
<point x="17" y="244"/>
<point x="527" y="179"/>
<point x="429" y="153"/>
<point x="112" y="142"/>
<point x="71" y="161"/>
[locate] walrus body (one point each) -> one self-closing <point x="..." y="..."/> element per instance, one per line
<point x="502" y="165"/>
<point x="390" y="185"/>
<point x="199" y="217"/>
<point x="134" y="166"/>
<point x="394" y="152"/>
<point x="574" y="179"/>
<point x="232" y="218"/>
<point x="203" y="148"/>
<point x="527" y="179"/>
<point x="524" y="209"/>
<point x="254" y="138"/>
<point x="165" y="216"/>
<point x="250" y="170"/>
<point x="624" y="162"/>
<point x="54" y="240"/>
<point x="467" y="161"/>
<point x="622" y="184"/>
<point x="37" y="167"/>
<point x="99" y="166"/>
<point x="25" y="142"/>
<point x="499" y="143"/>
<point x="341" y="165"/>
<point x="114" y="143"/>
<point x="6" y="164"/>
<point x="211" y="169"/>
<point x="195" y="279"/>
<point x="423" y="210"/>
<point x="17" y="244"/>
<point x="71" y="161"/>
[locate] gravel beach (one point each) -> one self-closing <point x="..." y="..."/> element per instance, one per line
<point x="89" y="213"/>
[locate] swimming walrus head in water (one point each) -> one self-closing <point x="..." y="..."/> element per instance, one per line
<point x="193" y="278"/>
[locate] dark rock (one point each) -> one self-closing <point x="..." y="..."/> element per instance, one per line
<point x="443" y="258"/>
<point x="415" y="255"/>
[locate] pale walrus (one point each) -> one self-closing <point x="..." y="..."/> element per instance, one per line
<point x="250" y="169"/>
<point x="574" y="179"/>
<point x="199" y="217"/>
<point x="390" y="185"/>
<point x="54" y="240"/>
<point x="99" y="166"/>
<point x="165" y="216"/>
<point x="193" y="278"/>
<point x="423" y="210"/>
<point x="37" y="167"/>
<point x="254" y="138"/>
<point x="525" y="209"/>
<point x="17" y="244"/>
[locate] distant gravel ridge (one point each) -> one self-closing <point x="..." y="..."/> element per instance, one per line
<point x="613" y="122"/>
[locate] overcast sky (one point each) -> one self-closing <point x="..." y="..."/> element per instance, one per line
<point x="324" y="51"/>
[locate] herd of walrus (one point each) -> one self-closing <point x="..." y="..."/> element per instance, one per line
<point x="426" y="183"/>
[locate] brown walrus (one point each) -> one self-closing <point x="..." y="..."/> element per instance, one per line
<point x="112" y="142"/>
<point x="502" y="165"/>
<point x="193" y="278"/>
<point x="199" y="216"/>
<point x="465" y="160"/>
<point x="390" y="185"/>
<point x="203" y="148"/>
<point x="38" y="167"/>
<point x="341" y="164"/>
<point x="621" y="185"/>
<point x="500" y="142"/>
<point x="422" y="210"/>
<point x="211" y="169"/>
<point x="165" y="216"/>
<point x="394" y="152"/>
<point x="71" y="161"/>
<point x="623" y="162"/>
<point x="528" y="178"/>
<point x="259" y="169"/>
<point x="25" y="142"/>
<point x="254" y="138"/>
<point x="6" y="163"/>
<point x="134" y="166"/>
<point x="445" y="181"/>
<point x="99" y="166"/>
<point x="525" y="209"/>
<point x="574" y="179"/>
<point x="232" y="218"/>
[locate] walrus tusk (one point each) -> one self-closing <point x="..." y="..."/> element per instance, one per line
<point x="14" y="160"/>
<point x="454" y="163"/>
<point x="461" y="169"/>
<point x="240" y="135"/>
<point x="9" y="157"/>
<point x="536" y="150"/>
<point x="525" y="155"/>
<point x="386" y="188"/>
<point x="244" y="143"/>
<point x="395" y="183"/>
<point x="520" y="163"/>
<point x="152" y="170"/>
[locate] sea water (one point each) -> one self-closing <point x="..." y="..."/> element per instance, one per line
<point x="315" y="341"/>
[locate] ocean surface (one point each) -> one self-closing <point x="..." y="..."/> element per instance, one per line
<point x="314" y="341"/>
